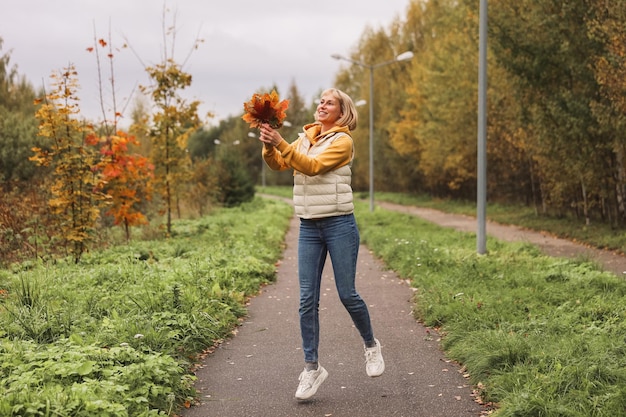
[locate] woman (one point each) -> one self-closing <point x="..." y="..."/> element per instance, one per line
<point x="321" y="158"/>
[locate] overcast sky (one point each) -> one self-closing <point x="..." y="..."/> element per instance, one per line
<point x="247" y="44"/>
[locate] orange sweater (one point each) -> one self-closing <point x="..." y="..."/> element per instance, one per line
<point x="286" y="155"/>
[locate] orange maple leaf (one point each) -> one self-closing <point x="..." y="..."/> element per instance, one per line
<point x="265" y="108"/>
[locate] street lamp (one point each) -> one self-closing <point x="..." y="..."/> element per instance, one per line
<point x="481" y="203"/>
<point x="405" y="56"/>
<point x="219" y="142"/>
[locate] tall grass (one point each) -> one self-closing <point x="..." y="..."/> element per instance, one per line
<point x="542" y="336"/>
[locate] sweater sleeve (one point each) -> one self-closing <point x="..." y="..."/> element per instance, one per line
<point x="338" y="154"/>
<point x="274" y="159"/>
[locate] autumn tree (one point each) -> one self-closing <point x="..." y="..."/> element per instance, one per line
<point x="71" y="153"/>
<point x="607" y="26"/>
<point x="438" y="124"/>
<point x="555" y="103"/>
<point x="546" y="47"/>
<point x="424" y="124"/>
<point x="437" y="130"/>
<point x="126" y="178"/>
<point x="174" y="121"/>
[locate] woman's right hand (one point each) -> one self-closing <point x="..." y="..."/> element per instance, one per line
<point x="269" y="136"/>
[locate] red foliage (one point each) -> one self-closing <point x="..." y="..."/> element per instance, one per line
<point x="126" y="179"/>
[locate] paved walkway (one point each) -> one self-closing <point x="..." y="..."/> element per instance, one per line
<point x="255" y="373"/>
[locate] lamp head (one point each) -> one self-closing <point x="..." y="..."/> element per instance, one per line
<point x="405" y="56"/>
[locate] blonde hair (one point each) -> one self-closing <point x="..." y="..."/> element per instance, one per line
<point x="349" y="116"/>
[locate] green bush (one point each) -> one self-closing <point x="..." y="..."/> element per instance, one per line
<point x="68" y="378"/>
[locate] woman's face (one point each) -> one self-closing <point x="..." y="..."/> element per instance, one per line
<point x="329" y="110"/>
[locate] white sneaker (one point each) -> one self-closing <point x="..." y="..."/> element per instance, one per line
<point x="374" y="363"/>
<point x="310" y="381"/>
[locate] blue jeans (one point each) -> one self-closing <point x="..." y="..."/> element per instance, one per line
<point x="338" y="236"/>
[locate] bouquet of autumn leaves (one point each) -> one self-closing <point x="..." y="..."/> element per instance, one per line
<point x="265" y="108"/>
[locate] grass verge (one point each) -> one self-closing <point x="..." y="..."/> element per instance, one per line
<point x="117" y="334"/>
<point x="540" y="336"/>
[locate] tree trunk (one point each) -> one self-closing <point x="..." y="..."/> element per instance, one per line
<point x="585" y="202"/>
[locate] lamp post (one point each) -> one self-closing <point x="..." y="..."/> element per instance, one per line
<point x="405" y="56"/>
<point x="481" y="194"/>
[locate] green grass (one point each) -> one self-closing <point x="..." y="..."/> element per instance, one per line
<point x="541" y="336"/>
<point x="117" y="334"/>
<point x="286" y="192"/>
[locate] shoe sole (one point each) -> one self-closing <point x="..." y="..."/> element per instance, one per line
<point x="316" y="385"/>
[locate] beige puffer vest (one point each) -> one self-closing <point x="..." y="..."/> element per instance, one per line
<point x="322" y="195"/>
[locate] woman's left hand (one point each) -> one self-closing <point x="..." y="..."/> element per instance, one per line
<point x="269" y="136"/>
